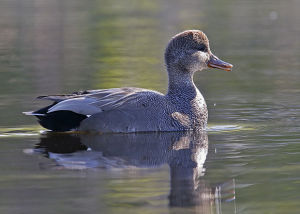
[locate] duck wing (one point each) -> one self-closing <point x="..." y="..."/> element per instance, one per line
<point x="69" y="110"/>
<point x="95" y="101"/>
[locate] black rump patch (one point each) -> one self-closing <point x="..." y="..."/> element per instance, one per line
<point x="59" y="120"/>
<point x="45" y="109"/>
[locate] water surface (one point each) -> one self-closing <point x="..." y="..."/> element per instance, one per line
<point x="247" y="161"/>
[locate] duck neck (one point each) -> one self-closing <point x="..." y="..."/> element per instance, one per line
<point x="181" y="83"/>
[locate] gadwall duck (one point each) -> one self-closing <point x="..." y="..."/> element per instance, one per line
<point x="140" y="110"/>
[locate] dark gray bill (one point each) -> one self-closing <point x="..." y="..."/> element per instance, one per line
<point x="215" y="62"/>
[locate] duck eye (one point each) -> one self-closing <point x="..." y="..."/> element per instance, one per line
<point x="202" y="48"/>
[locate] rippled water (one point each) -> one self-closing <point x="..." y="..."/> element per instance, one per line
<point x="248" y="160"/>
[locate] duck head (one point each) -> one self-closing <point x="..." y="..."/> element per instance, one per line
<point x="189" y="51"/>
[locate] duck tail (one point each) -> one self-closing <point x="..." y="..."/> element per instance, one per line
<point x="57" y="120"/>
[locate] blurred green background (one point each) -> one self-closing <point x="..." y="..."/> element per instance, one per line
<point x="54" y="46"/>
<point x="62" y="46"/>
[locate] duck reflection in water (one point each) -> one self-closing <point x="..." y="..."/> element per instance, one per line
<point x="184" y="153"/>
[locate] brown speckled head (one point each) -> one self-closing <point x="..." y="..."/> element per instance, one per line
<point x="194" y="39"/>
<point x="189" y="51"/>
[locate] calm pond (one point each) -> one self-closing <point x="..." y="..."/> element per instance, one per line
<point x="248" y="161"/>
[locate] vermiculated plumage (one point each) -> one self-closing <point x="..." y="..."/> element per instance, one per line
<point x="132" y="109"/>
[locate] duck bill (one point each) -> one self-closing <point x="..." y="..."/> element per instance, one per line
<point x="215" y="62"/>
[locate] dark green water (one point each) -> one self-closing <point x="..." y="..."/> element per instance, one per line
<point x="247" y="162"/>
